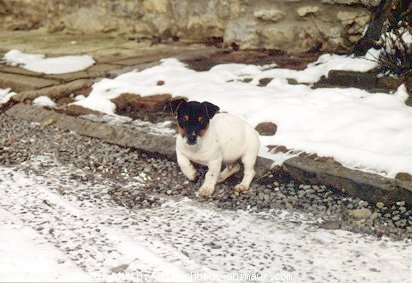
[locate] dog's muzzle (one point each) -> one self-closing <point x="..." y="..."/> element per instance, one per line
<point x="192" y="139"/>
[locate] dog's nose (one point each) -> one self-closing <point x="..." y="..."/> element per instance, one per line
<point x="192" y="139"/>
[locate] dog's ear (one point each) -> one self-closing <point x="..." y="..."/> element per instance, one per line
<point x="176" y="104"/>
<point x="211" y="109"/>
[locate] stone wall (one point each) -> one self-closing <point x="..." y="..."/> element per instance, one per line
<point x="293" y="25"/>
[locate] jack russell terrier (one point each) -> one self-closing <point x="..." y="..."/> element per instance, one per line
<point x="210" y="139"/>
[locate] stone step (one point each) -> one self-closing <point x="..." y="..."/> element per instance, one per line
<point x="20" y="83"/>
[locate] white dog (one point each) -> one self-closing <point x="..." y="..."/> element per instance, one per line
<point x="210" y="138"/>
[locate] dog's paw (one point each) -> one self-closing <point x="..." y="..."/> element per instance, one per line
<point x="205" y="191"/>
<point x="240" y="189"/>
<point x="221" y="178"/>
<point x="191" y="175"/>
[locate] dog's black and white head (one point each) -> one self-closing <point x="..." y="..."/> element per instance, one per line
<point x="193" y="118"/>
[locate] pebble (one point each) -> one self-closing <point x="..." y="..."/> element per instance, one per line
<point x="380" y="205"/>
<point x="400" y="203"/>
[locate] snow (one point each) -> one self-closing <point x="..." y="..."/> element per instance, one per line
<point x="164" y="128"/>
<point x="50" y="233"/>
<point x="25" y="256"/>
<point x="390" y="42"/>
<point x="56" y="65"/>
<point x="44" y="101"/>
<point x="5" y="95"/>
<point x="361" y="130"/>
<point x="311" y="74"/>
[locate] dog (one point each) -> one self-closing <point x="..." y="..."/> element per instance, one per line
<point x="211" y="139"/>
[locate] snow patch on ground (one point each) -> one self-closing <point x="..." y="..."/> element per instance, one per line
<point x="78" y="223"/>
<point x="160" y="129"/>
<point x="27" y="256"/>
<point x="5" y="95"/>
<point x="311" y="74"/>
<point x="56" y="65"/>
<point x="361" y="130"/>
<point x="44" y="101"/>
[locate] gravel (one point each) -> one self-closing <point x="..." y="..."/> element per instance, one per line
<point x="163" y="180"/>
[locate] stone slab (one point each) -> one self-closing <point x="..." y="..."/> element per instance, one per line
<point x="368" y="81"/>
<point x="143" y="59"/>
<point x="20" y="83"/>
<point x="98" y="70"/>
<point x="54" y="92"/>
<point x="367" y="186"/>
<point x="180" y="54"/>
<point x="18" y="70"/>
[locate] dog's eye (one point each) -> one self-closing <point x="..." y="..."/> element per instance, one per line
<point x="181" y="122"/>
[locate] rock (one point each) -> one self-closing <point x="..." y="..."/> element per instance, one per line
<point x="57" y="91"/>
<point x="401" y="223"/>
<point x="360" y="213"/>
<point x="305" y="10"/>
<point x="21" y="83"/>
<point x="128" y="103"/>
<point x="49" y="122"/>
<point x="375" y="215"/>
<point x="266" y="129"/>
<point x="325" y="159"/>
<point x="65" y="101"/>
<point x="275" y="35"/>
<point x="23" y="15"/>
<point x="404" y="176"/>
<point x="264" y="81"/>
<point x="242" y="32"/>
<point x="77" y="110"/>
<point x="367" y="3"/>
<point x="363" y="203"/>
<point x="159" y="6"/>
<point x="278" y="148"/>
<point x="273" y="15"/>
<point x="380" y="205"/>
<point x="400" y="203"/>
<point x="350" y="17"/>
<point x="154" y="103"/>
<point x="331" y="225"/>
<point x="120" y="268"/>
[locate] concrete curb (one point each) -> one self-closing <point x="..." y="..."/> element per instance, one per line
<point x="367" y="186"/>
<point x="160" y="145"/>
<point x="108" y="133"/>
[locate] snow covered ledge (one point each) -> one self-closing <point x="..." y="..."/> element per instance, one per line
<point x="368" y="186"/>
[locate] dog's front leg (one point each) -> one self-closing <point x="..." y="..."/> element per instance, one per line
<point x="186" y="166"/>
<point x="208" y="187"/>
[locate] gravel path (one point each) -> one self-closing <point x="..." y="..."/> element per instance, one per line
<point x="19" y="140"/>
<point x="116" y="212"/>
